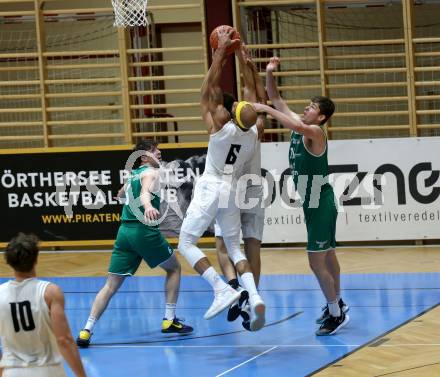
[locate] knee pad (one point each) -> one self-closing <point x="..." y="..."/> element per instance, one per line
<point x="233" y="248"/>
<point x="188" y="249"/>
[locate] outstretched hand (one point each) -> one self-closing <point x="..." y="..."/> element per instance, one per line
<point x="273" y="64"/>
<point x="225" y="38"/>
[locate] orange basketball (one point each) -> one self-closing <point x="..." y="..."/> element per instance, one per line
<point x="213" y="39"/>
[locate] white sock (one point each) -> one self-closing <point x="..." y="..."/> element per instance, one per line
<point x="91" y="322"/>
<point x="249" y="283"/>
<point x="213" y="278"/>
<point x="338" y="296"/>
<point x="334" y="309"/>
<point x="170" y="311"/>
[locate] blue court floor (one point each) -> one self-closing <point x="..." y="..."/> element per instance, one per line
<point x="127" y="340"/>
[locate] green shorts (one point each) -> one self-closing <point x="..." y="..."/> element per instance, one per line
<point x="135" y="242"/>
<point x="321" y="225"/>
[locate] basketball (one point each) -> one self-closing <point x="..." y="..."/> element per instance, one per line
<point x="213" y="39"/>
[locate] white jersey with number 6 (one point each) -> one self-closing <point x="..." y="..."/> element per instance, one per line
<point x="229" y="149"/>
<point x="215" y="193"/>
<point x="25" y="325"/>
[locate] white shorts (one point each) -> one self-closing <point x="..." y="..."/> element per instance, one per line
<point x="252" y="219"/>
<point x="55" y="370"/>
<point x="213" y="199"/>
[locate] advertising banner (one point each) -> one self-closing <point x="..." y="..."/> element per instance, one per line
<point x="71" y="196"/>
<point x="387" y="189"/>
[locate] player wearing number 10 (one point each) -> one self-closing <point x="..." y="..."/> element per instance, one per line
<point x="232" y="143"/>
<point x="33" y="326"/>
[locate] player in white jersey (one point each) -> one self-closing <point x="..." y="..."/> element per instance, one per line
<point x="251" y="204"/>
<point x="232" y="143"/>
<point x="34" y="331"/>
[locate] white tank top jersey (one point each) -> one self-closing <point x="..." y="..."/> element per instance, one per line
<point x="25" y="325"/>
<point x="229" y="149"/>
<point x="253" y="166"/>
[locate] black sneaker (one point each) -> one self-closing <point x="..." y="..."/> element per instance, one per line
<point x="175" y="326"/>
<point x="235" y="308"/>
<point x="332" y="324"/>
<point x="245" y="314"/>
<point x="326" y="313"/>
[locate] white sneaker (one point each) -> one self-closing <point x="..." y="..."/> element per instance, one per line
<point x="222" y="300"/>
<point x="258" y="310"/>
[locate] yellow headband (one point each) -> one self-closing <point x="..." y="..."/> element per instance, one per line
<point x="238" y="109"/>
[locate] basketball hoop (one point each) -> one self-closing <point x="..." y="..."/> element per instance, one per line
<point x="130" y="12"/>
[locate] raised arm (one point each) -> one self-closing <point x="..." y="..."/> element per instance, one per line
<point x="261" y="98"/>
<point x="253" y="87"/>
<point x="213" y="112"/>
<point x="272" y="88"/>
<point x="289" y="121"/>
<point x="55" y="301"/>
<point x="245" y="63"/>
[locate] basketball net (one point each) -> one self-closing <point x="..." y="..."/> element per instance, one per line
<point x="130" y="12"/>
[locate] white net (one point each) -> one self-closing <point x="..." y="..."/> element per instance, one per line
<point x="130" y="12"/>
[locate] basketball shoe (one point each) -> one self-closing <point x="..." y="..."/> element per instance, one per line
<point x="83" y="339"/>
<point x="175" y="326"/>
<point x="222" y="299"/>
<point x="333" y="324"/>
<point x="235" y="308"/>
<point x="326" y="313"/>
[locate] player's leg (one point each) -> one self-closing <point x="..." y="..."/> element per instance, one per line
<point x="200" y="214"/>
<point x="252" y="247"/>
<point x="317" y="262"/>
<point x="99" y="305"/>
<point x="229" y="221"/>
<point x="320" y="230"/>
<point x="124" y="262"/>
<point x="333" y="264"/>
<point x="230" y="274"/>
<point x="336" y="318"/>
<point x="170" y="323"/>
<point x="224" y="261"/>
<point x="154" y="249"/>
<point x="335" y="270"/>
<point x="252" y="224"/>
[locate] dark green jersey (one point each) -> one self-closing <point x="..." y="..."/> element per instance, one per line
<point x="133" y="206"/>
<point x="310" y="172"/>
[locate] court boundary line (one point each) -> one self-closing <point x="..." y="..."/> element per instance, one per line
<point x="407" y="369"/>
<point x="268" y="290"/>
<point x="374" y="340"/>
<point x="262" y="345"/>
<point x="267" y="306"/>
<point x="181" y="338"/>
<point x="302" y="248"/>
<point x="247" y="361"/>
